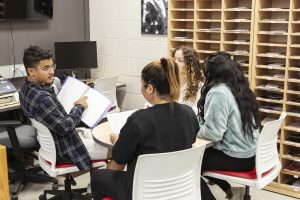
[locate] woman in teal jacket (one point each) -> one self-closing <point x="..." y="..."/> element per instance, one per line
<point x="229" y="117"/>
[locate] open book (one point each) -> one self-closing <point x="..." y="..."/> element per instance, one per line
<point x="117" y="120"/>
<point x="98" y="104"/>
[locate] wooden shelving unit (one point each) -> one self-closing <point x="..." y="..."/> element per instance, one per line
<point x="276" y="80"/>
<point x="181" y="23"/>
<point x="208" y="26"/>
<point x="264" y="36"/>
<point x="237" y="31"/>
<point x="211" y="26"/>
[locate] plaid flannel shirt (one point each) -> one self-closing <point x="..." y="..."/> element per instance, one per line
<point x="40" y="102"/>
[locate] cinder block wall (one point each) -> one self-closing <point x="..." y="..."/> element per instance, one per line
<point x="122" y="49"/>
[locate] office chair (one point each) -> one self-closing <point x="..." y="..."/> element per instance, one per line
<point x="47" y="161"/>
<point x="56" y="85"/>
<point x="267" y="161"/>
<point x="172" y="175"/>
<point x="107" y="86"/>
<point x="21" y="140"/>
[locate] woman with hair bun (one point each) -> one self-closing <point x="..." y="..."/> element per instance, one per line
<point x="165" y="127"/>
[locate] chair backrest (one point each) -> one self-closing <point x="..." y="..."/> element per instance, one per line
<point x="47" y="146"/>
<point x="56" y="84"/>
<point x="266" y="152"/>
<point x="107" y="86"/>
<point x="173" y="175"/>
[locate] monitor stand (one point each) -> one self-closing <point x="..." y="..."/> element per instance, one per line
<point x="73" y="74"/>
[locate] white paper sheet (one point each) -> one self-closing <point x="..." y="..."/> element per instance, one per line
<point x="98" y="104"/>
<point x="117" y="120"/>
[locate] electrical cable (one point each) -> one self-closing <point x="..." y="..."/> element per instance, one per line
<point x="17" y="69"/>
<point x="13" y="48"/>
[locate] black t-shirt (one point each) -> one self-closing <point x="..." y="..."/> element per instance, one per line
<point x="157" y="129"/>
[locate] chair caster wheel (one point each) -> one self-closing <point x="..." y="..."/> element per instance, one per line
<point x="210" y="182"/>
<point x="42" y="197"/>
<point x="55" y="186"/>
<point x="14" y="197"/>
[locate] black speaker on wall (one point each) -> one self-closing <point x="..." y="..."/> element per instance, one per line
<point x="26" y="9"/>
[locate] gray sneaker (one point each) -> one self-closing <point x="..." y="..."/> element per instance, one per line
<point x="238" y="193"/>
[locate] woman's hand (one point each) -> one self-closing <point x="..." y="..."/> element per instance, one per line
<point x="114" y="137"/>
<point x="112" y="165"/>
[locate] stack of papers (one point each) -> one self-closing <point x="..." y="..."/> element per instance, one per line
<point x="240" y="40"/>
<point x="182" y="37"/>
<point x="274" y="9"/>
<point x="239" y="52"/>
<point x="238" y="20"/>
<point x="274" y="53"/>
<point x="275" y="32"/>
<point x="243" y="62"/>
<point x="238" y="8"/>
<point x="209" y="29"/>
<point x="238" y="30"/>
<point x="267" y="20"/>
<point x="273" y="64"/>
<point x="269" y="87"/>
<point x="274" y="75"/>
<point x="278" y="75"/>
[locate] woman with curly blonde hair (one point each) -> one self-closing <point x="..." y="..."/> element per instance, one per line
<point x="190" y="74"/>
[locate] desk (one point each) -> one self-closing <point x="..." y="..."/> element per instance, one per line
<point x="9" y="102"/>
<point x="8" y="107"/>
<point x="101" y="135"/>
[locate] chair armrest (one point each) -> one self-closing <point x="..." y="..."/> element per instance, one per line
<point x="10" y="127"/>
<point x="10" y="123"/>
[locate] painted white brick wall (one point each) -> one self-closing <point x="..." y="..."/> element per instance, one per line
<point x="122" y="49"/>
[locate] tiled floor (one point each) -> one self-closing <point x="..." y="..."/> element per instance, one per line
<point x="33" y="191"/>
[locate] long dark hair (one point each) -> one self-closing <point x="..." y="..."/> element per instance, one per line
<point x="221" y="68"/>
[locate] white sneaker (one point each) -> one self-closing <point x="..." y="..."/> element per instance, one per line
<point x="89" y="190"/>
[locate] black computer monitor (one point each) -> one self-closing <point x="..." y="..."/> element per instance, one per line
<point x="75" y="55"/>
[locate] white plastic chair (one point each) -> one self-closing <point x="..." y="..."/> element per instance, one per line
<point x="173" y="175"/>
<point x="267" y="161"/>
<point x="56" y="84"/>
<point x="107" y="86"/>
<point x="47" y="161"/>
